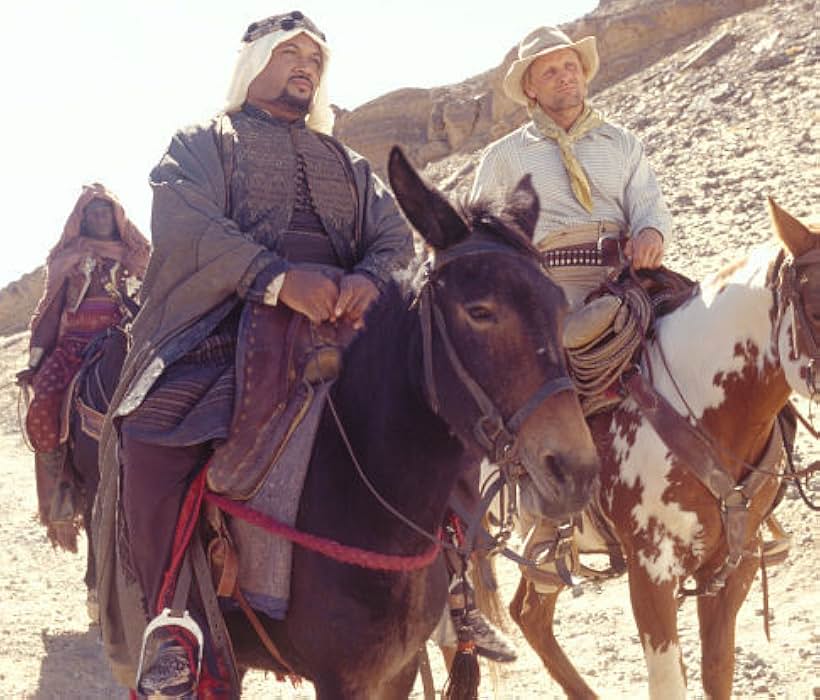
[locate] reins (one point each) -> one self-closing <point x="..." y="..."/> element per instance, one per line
<point x="783" y="279"/>
<point x="707" y="437"/>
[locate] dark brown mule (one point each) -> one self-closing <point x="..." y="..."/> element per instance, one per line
<point x="727" y="360"/>
<point x="355" y="632"/>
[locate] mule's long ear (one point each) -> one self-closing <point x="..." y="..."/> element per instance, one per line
<point x="523" y="205"/>
<point x="426" y="208"/>
<point x="795" y="236"/>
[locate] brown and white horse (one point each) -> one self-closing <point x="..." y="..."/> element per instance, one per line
<point x="727" y="360"/>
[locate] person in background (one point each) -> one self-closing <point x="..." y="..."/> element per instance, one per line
<point x="92" y="276"/>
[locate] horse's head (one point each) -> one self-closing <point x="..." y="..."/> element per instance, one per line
<point x="798" y="288"/>
<point x="494" y="366"/>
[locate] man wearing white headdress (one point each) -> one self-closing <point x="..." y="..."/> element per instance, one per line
<point x="258" y="208"/>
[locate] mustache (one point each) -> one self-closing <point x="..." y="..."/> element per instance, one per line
<point x="299" y="76"/>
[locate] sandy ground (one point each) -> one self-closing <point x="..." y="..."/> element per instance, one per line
<point x="49" y="650"/>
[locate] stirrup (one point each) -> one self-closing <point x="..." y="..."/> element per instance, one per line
<point x="169" y="618"/>
<point x="776" y="549"/>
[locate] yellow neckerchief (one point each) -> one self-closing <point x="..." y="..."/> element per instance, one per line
<point x="587" y="120"/>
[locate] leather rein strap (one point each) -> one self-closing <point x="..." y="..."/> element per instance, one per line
<point x="496" y="435"/>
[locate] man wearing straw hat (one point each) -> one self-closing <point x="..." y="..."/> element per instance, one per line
<point x="599" y="197"/>
<point x="601" y="206"/>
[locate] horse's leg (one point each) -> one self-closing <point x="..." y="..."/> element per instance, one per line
<point x="92" y="604"/>
<point x="656" y="615"/>
<point x="533" y="612"/>
<point x="717" y="615"/>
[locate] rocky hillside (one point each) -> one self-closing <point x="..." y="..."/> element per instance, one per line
<point x="726" y="120"/>
<point x="433" y="124"/>
<point x="724" y="93"/>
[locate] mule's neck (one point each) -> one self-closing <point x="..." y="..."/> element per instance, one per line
<point x="723" y="360"/>
<point x="405" y="450"/>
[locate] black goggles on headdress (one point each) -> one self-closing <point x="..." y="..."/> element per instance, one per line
<point x="292" y="20"/>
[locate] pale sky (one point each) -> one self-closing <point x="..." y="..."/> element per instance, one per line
<point x="93" y="90"/>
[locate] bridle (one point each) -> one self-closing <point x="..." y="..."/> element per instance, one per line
<point x="497" y="436"/>
<point x="787" y="290"/>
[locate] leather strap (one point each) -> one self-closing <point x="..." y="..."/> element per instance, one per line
<point x="262" y="633"/>
<point x="213" y="614"/>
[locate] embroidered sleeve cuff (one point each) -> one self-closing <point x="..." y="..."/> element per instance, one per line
<point x="264" y="269"/>
<point x="271" y="295"/>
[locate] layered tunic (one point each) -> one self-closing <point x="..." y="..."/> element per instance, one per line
<point x="224" y="197"/>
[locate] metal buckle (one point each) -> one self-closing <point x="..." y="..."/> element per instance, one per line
<point x="489" y="433"/>
<point x="736" y="500"/>
<point x="602" y="237"/>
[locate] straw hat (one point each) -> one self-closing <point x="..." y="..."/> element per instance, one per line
<point x="541" y="42"/>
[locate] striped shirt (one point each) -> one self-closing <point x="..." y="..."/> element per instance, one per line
<point x="624" y="188"/>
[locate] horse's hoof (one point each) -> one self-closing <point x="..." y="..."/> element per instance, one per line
<point x="92" y="606"/>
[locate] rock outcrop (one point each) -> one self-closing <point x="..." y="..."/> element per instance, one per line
<point x="17" y="301"/>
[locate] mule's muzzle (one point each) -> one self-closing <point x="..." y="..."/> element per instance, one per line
<point x="562" y="491"/>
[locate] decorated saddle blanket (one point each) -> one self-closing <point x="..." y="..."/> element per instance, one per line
<point x="285" y="367"/>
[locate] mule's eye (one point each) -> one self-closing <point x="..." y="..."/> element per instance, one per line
<point x="480" y="313"/>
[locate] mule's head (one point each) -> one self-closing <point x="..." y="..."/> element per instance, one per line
<point x="494" y="365"/>
<point x="799" y="302"/>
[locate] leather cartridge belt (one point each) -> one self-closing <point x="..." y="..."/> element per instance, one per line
<point x="606" y="252"/>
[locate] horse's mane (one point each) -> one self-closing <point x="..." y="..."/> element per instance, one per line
<point x="759" y="263"/>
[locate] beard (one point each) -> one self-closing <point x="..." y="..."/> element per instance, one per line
<point x="567" y="100"/>
<point x="294" y="103"/>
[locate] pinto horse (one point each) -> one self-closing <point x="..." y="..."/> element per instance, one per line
<point x="420" y="402"/>
<point x="727" y="361"/>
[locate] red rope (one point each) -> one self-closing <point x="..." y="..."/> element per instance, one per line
<point x="189" y="515"/>
<point x="330" y="548"/>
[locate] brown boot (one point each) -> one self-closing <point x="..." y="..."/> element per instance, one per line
<point x="490" y="641"/>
